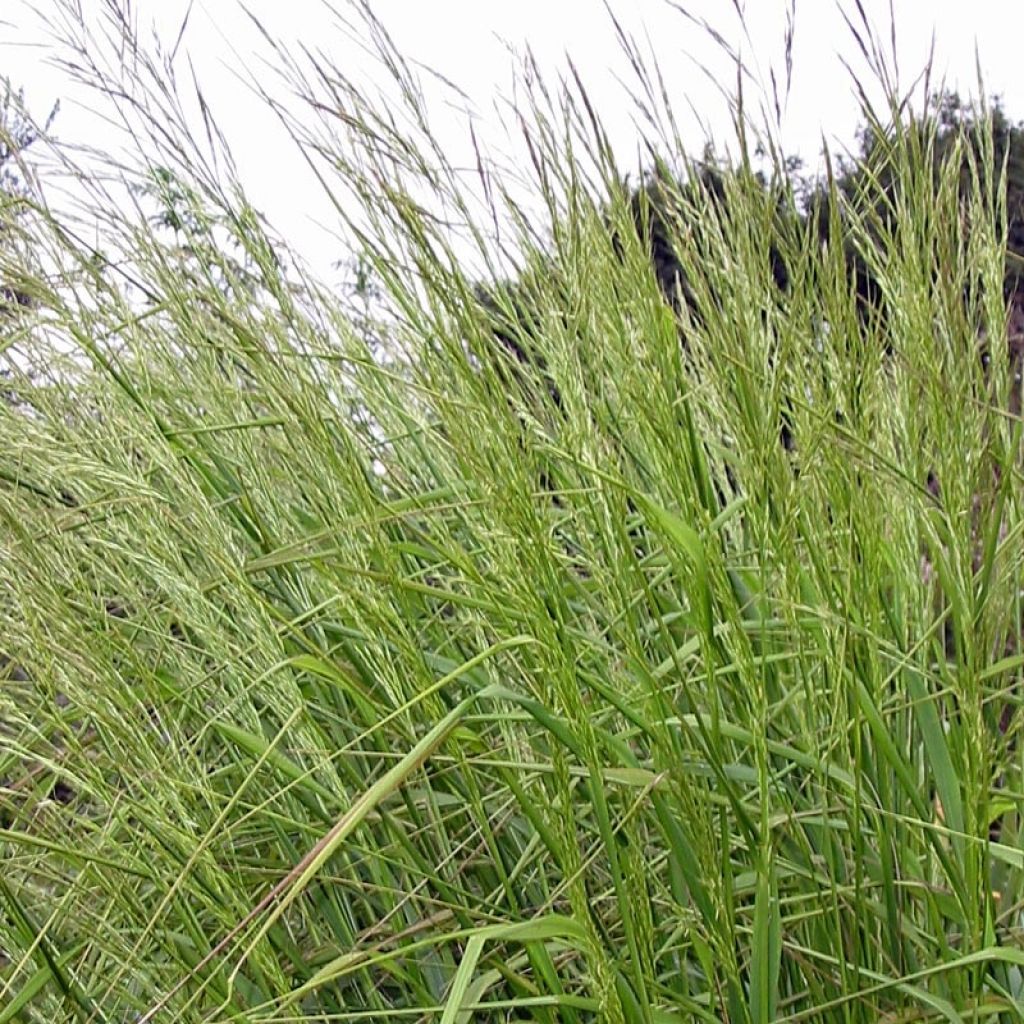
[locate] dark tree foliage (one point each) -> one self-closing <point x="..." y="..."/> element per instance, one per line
<point x="870" y="176"/>
<point x="866" y="182"/>
<point x="17" y="133"/>
<point x="659" y="199"/>
<point x="514" y="324"/>
<point x="870" y="180"/>
<point x="653" y="206"/>
<point x="1008" y="150"/>
<point x="659" y="207"/>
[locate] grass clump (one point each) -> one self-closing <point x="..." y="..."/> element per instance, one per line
<point x="370" y="669"/>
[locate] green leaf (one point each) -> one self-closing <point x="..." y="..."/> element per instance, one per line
<point x="553" y="926"/>
<point x="687" y="543"/>
<point x="20" y="1002"/>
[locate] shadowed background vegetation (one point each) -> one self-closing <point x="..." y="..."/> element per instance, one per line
<point x="631" y="635"/>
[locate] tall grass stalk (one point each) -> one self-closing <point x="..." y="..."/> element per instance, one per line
<point x="360" y="671"/>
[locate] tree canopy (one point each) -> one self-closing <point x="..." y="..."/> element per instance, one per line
<point x="867" y="180"/>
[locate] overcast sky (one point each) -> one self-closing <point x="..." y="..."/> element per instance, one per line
<point x="472" y="43"/>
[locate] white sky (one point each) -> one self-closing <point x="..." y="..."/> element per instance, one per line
<point x="468" y="42"/>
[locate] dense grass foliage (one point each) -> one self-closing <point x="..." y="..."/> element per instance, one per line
<point x="354" y="672"/>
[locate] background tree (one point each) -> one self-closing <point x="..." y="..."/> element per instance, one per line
<point x="862" y="186"/>
<point x="18" y="132"/>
